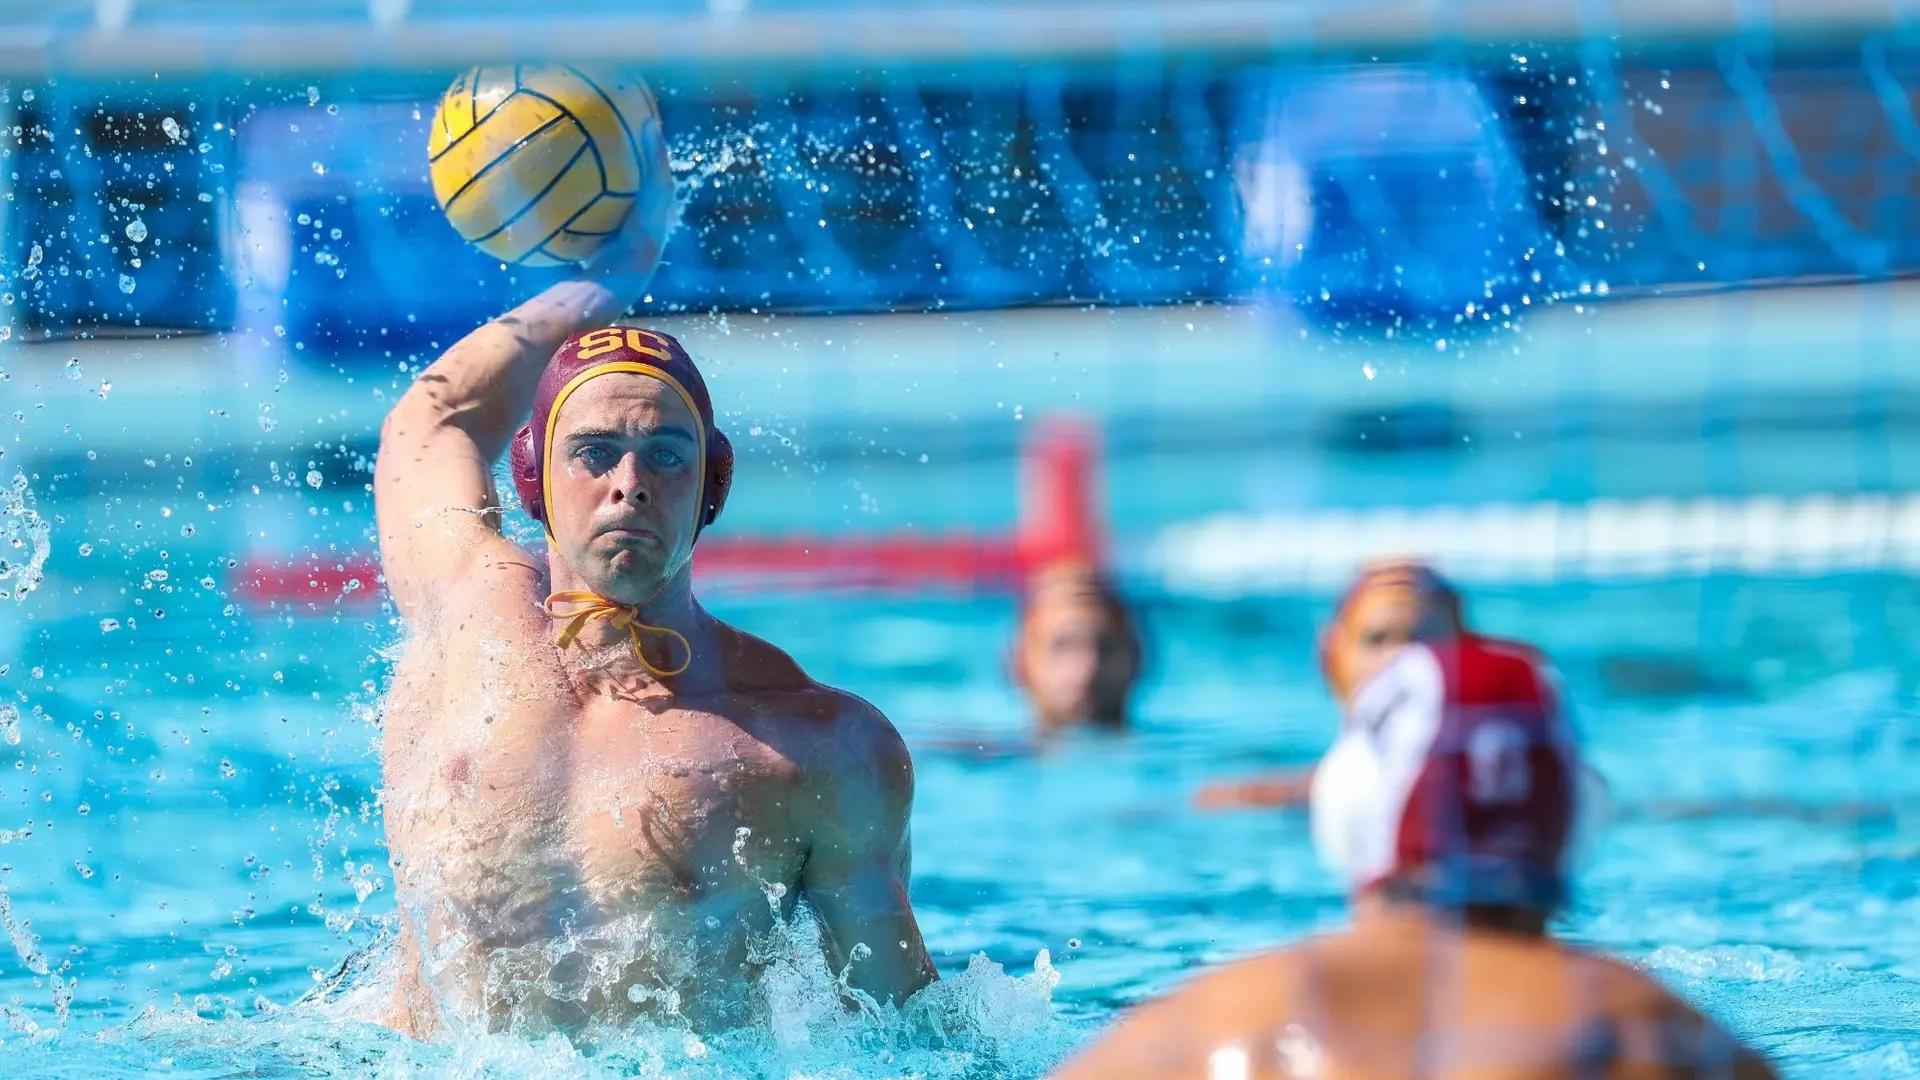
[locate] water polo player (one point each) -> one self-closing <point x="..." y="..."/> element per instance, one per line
<point x="598" y="797"/>
<point x="1077" y="651"/>
<point x="1388" y="606"/>
<point x="1447" y="805"/>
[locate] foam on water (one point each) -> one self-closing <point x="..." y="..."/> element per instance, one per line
<point x="981" y="1022"/>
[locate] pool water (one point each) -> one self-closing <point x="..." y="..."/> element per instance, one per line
<point x="184" y="866"/>
<point x="189" y="823"/>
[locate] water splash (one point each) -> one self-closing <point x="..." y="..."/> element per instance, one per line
<point x="981" y="1022"/>
<point x="799" y="1018"/>
<point x="26" y="946"/>
<point x="24" y="533"/>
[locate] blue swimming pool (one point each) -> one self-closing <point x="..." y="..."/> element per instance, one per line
<point x="189" y="828"/>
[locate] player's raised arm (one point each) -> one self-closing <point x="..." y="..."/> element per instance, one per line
<point x="433" y="490"/>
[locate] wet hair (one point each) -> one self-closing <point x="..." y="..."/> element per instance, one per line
<point x="1078" y="583"/>
<point x="1417" y="577"/>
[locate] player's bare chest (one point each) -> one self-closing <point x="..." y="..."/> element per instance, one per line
<point x="684" y="798"/>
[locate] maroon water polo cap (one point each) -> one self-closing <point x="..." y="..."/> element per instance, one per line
<point x="616" y="350"/>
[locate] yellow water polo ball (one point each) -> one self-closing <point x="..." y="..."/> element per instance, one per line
<point x="538" y="164"/>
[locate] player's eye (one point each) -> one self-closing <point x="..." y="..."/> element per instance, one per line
<point x="666" y="457"/>
<point x="594" y="456"/>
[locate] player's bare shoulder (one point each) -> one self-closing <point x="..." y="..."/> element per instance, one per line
<point x="845" y="733"/>
<point x="1656" y="1028"/>
<point x="866" y="741"/>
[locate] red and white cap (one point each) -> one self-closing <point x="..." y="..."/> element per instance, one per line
<point x="1455" y="774"/>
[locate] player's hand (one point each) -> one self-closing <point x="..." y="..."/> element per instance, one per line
<point x="631" y="255"/>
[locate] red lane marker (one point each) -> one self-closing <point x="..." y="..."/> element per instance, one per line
<point x="1061" y="520"/>
<point x="351" y="580"/>
<point x="889" y="562"/>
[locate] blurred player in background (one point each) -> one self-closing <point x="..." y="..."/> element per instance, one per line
<point x="1077" y="652"/>
<point x="1388" y="606"/>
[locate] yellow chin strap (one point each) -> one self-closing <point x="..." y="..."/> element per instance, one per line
<point x="587" y="606"/>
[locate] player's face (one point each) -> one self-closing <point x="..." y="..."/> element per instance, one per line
<point x="1378" y="624"/>
<point x="1078" y="662"/>
<point x="626" y="480"/>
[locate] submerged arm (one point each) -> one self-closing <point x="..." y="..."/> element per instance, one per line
<point x="433" y="486"/>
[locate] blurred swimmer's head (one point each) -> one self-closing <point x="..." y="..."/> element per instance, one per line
<point x="1454" y="782"/>
<point x="1389" y="605"/>
<point x="621" y="461"/>
<point x="1078" y="653"/>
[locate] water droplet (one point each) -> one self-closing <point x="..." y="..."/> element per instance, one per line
<point x="227" y="771"/>
<point x="172" y="127"/>
<point x="136" y="230"/>
<point x="126" y="283"/>
<point x="108" y="626"/>
<point x="86" y="550"/>
<point x="314" y="479"/>
<point x="313" y="95"/>
<point x="73" y="368"/>
<point x="10" y="725"/>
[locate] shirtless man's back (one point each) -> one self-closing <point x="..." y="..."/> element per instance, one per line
<point x="1404" y="993"/>
<point x="1447" y="803"/>
<point x="598" y="797"/>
